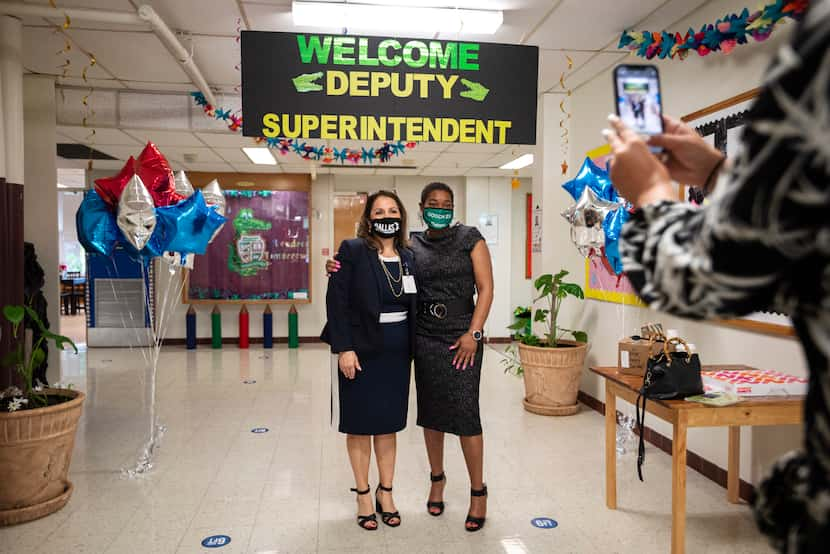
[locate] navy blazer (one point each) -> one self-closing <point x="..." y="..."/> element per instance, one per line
<point x="353" y="299"/>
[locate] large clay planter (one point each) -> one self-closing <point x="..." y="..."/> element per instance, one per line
<point x="35" y="452"/>
<point x="552" y="377"/>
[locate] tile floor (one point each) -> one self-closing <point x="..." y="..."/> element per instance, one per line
<point x="286" y="491"/>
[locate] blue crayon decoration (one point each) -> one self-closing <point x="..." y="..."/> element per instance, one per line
<point x="267" y="328"/>
<point x="190" y="324"/>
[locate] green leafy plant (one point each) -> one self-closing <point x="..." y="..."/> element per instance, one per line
<point x="33" y="395"/>
<point x="552" y="291"/>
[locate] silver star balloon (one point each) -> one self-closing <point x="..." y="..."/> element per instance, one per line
<point x="136" y="213"/>
<point x="183" y="185"/>
<point x="216" y="200"/>
<point x="586" y="217"/>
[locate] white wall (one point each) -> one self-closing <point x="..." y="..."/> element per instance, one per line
<point x="481" y="195"/>
<point x="687" y="86"/>
<point x="521" y="288"/>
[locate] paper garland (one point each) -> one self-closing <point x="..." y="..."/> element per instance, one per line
<point x="723" y="35"/>
<point x="322" y="154"/>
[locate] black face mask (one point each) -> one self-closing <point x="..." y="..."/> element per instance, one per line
<point x="386" y="227"/>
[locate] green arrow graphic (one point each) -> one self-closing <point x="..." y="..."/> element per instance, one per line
<point x="305" y="82"/>
<point x="475" y="91"/>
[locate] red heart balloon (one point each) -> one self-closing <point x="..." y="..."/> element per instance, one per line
<point x="110" y="188"/>
<point x="157" y="176"/>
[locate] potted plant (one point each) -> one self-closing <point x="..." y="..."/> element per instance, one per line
<point x="524" y="321"/>
<point x="37" y="430"/>
<point x="551" y="366"/>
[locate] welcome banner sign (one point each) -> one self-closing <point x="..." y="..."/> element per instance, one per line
<point x="387" y="89"/>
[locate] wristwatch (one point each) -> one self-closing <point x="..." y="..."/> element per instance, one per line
<point x="477" y="335"/>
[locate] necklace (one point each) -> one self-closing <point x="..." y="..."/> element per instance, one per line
<point x="390" y="279"/>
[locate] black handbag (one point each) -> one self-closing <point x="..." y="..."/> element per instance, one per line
<point x="669" y="375"/>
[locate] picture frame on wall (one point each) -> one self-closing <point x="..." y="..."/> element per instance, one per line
<point x="721" y="124"/>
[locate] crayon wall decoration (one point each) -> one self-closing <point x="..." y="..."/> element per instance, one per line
<point x="244" y="327"/>
<point x="267" y="328"/>
<point x="293" y="328"/>
<point x="216" y="327"/>
<point x="190" y="328"/>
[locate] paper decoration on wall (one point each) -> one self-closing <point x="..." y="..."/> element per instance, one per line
<point x="722" y="36"/>
<point x="566" y="115"/>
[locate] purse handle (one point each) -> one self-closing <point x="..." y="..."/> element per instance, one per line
<point x="651" y="341"/>
<point x="676" y="341"/>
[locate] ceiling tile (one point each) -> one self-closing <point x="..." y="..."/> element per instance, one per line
<point x="459" y="160"/>
<point x="102" y="135"/>
<point x="210" y="167"/>
<point x="443" y="171"/>
<point x="355" y="171"/>
<point x="508" y="156"/>
<point x="219" y="59"/>
<point x="165" y="138"/>
<point x="232" y="155"/>
<point x="199" y="16"/>
<point x="420" y="158"/>
<point x="463" y="148"/>
<point x="396" y="171"/>
<point x="226" y="140"/>
<point x="138" y="56"/>
<point x="553" y="63"/>
<point x="181" y="153"/>
<point x="432" y="146"/>
<point x="251" y="168"/>
<point x="120" y="152"/>
<point x="42" y="53"/>
<point x="599" y="64"/>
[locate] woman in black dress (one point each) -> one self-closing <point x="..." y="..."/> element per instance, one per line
<point x="455" y="265"/>
<point x="371" y="304"/>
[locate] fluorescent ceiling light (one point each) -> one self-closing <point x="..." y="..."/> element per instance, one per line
<point x="260" y="156"/>
<point x="520" y="162"/>
<point x="338" y="15"/>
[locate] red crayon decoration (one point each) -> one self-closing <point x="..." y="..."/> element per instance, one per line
<point x="243" y="327"/>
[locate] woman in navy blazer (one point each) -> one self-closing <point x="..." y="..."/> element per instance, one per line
<point x="371" y="307"/>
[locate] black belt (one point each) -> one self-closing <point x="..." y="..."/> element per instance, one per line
<point x="442" y="309"/>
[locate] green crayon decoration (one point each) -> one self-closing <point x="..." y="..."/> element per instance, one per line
<point x="293" y="328"/>
<point x="216" y="327"/>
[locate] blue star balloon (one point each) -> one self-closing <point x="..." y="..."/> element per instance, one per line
<point x="191" y="224"/>
<point x="592" y="176"/>
<point x="95" y="224"/>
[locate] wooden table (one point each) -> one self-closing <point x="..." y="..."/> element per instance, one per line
<point x="682" y="415"/>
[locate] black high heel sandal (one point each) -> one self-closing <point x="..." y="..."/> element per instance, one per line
<point x="386" y="516"/>
<point x="478" y="521"/>
<point x="439" y="505"/>
<point x="363" y="521"/>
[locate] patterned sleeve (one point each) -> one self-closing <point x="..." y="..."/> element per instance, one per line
<point x="752" y="246"/>
<point x="471" y="237"/>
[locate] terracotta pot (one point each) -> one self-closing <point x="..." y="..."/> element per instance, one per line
<point x="551" y="377"/>
<point x="35" y="452"/>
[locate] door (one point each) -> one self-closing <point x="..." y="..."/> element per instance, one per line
<point x="348" y="208"/>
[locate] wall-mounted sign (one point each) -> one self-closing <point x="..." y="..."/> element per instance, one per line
<point x="387" y="89"/>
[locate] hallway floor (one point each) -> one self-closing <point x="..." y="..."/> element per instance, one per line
<point x="286" y="490"/>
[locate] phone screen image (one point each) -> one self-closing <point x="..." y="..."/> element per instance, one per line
<point x="639" y="103"/>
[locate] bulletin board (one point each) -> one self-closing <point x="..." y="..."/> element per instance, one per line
<point x="721" y="125"/>
<point x="263" y="252"/>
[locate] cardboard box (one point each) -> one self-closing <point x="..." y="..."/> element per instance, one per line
<point x="748" y="381"/>
<point x="632" y="355"/>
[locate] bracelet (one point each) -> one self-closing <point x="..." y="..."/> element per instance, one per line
<point x="713" y="175"/>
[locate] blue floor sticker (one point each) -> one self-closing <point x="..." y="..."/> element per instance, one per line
<point x="259" y="430"/>
<point x="544" y="523"/>
<point x="216" y="541"/>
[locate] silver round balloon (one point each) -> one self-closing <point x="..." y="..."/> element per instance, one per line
<point x="586" y="218"/>
<point x="183" y="185"/>
<point x="136" y="213"/>
<point x="214" y="198"/>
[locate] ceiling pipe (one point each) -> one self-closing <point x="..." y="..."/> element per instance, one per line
<point x="185" y="58"/>
<point x="146" y="16"/>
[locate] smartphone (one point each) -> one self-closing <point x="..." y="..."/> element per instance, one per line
<point x="638" y="99"/>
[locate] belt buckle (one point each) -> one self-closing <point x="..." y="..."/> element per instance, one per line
<point x="438" y="311"/>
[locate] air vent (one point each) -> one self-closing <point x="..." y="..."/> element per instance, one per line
<point x="119" y="303"/>
<point x="72" y="151"/>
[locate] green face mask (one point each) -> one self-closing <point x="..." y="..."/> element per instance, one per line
<point x="437" y="218"/>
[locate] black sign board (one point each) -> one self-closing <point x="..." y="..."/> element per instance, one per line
<point x="387" y="89"/>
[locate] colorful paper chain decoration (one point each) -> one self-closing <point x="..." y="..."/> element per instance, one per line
<point x="723" y="35"/>
<point x="322" y="154"/>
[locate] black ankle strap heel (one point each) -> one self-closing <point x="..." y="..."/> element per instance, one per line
<point x="385" y="517"/>
<point x="363" y="521"/>
<point x="477" y="521"/>
<point x="439" y="505"/>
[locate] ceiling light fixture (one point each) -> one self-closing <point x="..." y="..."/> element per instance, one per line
<point x="396" y="18"/>
<point x="519" y="163"/>
<point x="260" y="156"/>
